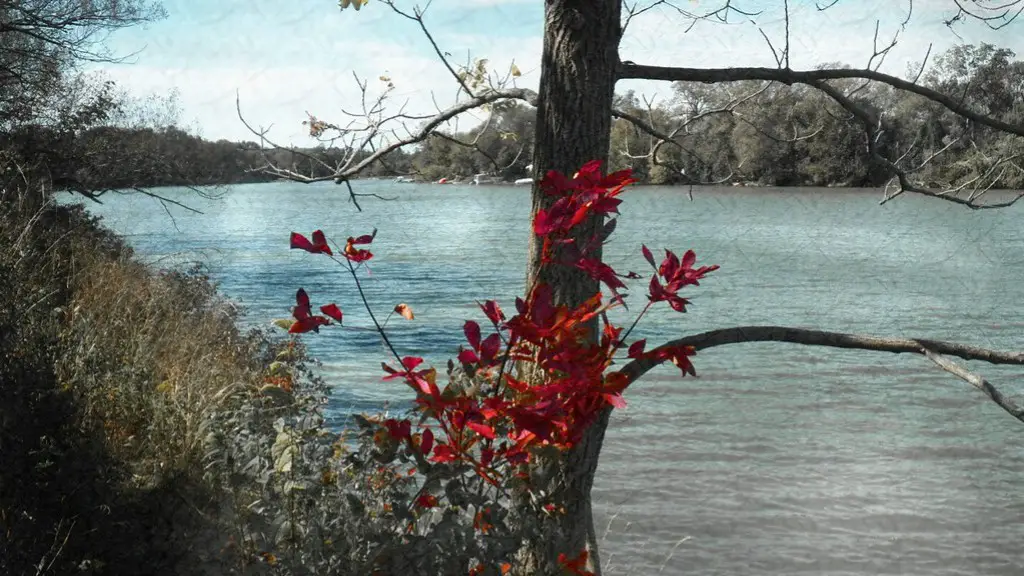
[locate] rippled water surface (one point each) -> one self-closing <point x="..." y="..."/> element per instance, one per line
<point x="779" y="459"/>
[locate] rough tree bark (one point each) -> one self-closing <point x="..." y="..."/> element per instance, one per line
<point x="579" y="67"/>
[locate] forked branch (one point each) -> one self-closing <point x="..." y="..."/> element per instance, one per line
<point x="934" y="350"/>
<point x="787" y="76"/>
<point x="872" y="125"/>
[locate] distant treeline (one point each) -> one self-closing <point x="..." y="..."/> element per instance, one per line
<point x="746" y="132"/>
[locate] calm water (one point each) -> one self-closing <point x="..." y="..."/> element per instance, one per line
<point x="778" y="459"/>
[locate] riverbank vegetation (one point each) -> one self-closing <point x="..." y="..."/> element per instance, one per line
<point x="141" y="432"/>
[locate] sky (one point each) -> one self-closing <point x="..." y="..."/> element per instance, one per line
<point x="285" y="59"/>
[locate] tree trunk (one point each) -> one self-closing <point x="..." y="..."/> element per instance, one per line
<point x="578" y="73"/>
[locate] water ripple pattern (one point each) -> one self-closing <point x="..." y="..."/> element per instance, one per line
<point x="779" y="459"/>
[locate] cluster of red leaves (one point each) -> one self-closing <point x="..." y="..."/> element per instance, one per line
<point x="576" y="566"/>
<point x="318" y="245"/>
<point x="305" y="320"/>
<point x="586" y="195"/>
<point x="501" y="427"/>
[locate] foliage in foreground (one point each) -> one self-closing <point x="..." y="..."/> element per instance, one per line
<point x="142" y="433"/>
<point x="487" y="450"/>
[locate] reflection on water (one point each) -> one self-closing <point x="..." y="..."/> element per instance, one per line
<point x="778" y="459"/>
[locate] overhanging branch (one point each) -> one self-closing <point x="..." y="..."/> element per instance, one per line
<point x="932" y="349"/>
<point x="872" y="126"/>
<point x="631" y="71"/>
<point x="528" y="96"/>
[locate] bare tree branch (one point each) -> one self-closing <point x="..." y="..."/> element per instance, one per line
<point x="422" y="133"/>
<point x="872" y="128"/>
<point x="630" y="71"/>
<point x="995" y="14"/>
<point x="978" y="382"/>
<point x="932" y="349"/>
<point x="417" y="17"/>
<point x="661" y="138"/>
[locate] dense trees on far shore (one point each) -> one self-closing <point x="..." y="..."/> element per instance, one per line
<point x="749" y="132"/>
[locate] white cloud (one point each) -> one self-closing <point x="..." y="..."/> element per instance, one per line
<point x="279" y="93"/>
<point x="280" y="96"/>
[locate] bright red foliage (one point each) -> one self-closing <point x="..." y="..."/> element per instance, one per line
<point x="333" y="311"/>
<point x="426" y="501"/>
<point x="359" y="254"/>
<point x="497" y="425"/>
<point x="317" y="246"/>
<point x="305" y="321"/>
<point x="576" y="566"/>
<point x="677" y="275"/>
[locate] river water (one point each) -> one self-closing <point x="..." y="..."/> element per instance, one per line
<point x="779" y="459"/>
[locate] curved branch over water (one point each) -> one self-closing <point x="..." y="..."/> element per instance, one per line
<point x="934" y="350"/>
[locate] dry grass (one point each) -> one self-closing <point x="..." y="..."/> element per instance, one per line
<point x="153" y="355"/>
<point x="142" y="433"/>
<point x="109" y="375"/>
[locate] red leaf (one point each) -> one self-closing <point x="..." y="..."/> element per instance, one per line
<point x="680" y="357"/>
<point x="405" y="311"/>
<point x="601" y="272"/>
<point x="298" y="241"/>
<point x="543" y="223"/>
<point x="486" y="456"/>
<point x="365" y="238"/>
<point x="648" y="256"/>
<point x="354" y="254"/>
<point x="616" y="400"/>
<point x="489" y="348"/>
<point x="419" y="382"/>
<point x="689" y="259"/>
<point x="492" y="407"/>
<point x="636" y="349"/>
<point x="575" y="566"/>
<point x="427" y="442"/>
<point x="580" y="215"/>
<point x="482" y="429"/>
<point x="426" y="501"/>
<point x="333" y="311"/>
<point x="618" y="179"/>
<point x="493" y="311"/>
<point x="540" y="303"/>
<point x="317" y="246"/>
<point x="517" y="385"/>
<point x="308" y="324"/>
<point x="669" y="265"/>
<point x="468" y="357"/>
<point x="302" y="307"/>
<point x="520" y="305"/>
<point x="320" y="243"/>
<point x="678" y="304"/>
<point x="472" y="331"/>
<point x="398" y="429"/>
<point x="411" y="362"/>
<point x="443" y="453"/>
